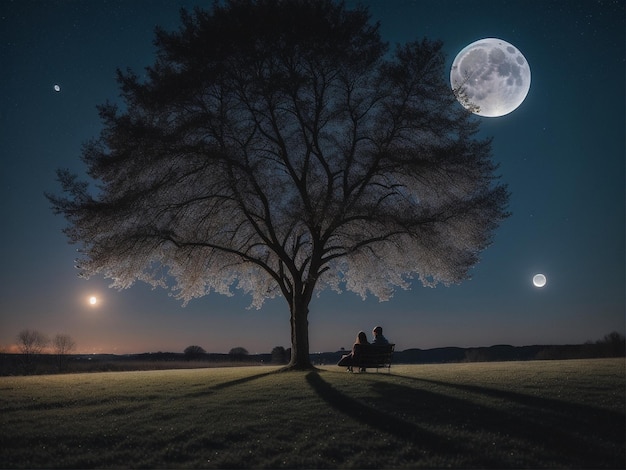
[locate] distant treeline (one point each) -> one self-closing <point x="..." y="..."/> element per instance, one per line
<point x="507" y="353"/>
<point x="36" y="364"/>
<point x="613" y="345"/>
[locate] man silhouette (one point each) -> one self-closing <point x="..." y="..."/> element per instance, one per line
<point x="378" y="336"/>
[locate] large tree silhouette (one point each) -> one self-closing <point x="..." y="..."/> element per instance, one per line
<point x="279" y="147"/>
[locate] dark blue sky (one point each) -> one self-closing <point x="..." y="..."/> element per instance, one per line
<point x="562" y="154"/>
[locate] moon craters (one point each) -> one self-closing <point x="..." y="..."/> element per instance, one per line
<point x="490" y="77"/>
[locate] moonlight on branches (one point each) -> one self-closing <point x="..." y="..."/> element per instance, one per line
<point x="280" y="148"/>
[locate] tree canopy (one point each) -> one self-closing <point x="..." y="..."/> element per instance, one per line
<point x="281" y="147"/>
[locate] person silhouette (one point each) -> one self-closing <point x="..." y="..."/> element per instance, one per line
<point x="349" y="359"/>
<point x="378" y="336"/>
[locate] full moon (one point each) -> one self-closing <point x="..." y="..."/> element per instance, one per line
<point x="539" y="280"/>
<point x="93" y="300"/>
<point x="57" y="88"/>
<point x="491" y="74"/>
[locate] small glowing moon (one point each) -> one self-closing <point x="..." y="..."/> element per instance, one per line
<point x="539" y="280"/>
<point x="93" y="300"/>
<point x="491" y="74"/>
<point x="57" y="88"/>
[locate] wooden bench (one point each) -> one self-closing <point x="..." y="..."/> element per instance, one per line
<point x="373" y="356"/>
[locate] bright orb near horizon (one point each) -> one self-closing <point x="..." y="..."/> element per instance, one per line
<point x="57" y="88"/>
<point x="491" y="74"/>
<point x="93" y="300"/>
<point x="539" y="280"/>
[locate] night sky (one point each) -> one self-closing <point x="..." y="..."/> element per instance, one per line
<point x="562" y="153"/>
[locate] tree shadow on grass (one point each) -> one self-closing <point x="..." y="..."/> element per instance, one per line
<point x="223" y="385"/>
<point x="550" y="411"/>
<point x="558" y="432"/>
<point x="381" y="420"/>
<point x="526" y="431"/>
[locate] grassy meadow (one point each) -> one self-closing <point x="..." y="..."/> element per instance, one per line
<point x="539" y="414"/>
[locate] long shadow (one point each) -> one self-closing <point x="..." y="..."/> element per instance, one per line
<point x="223" y="385"/>
<point x="609" y="424"/>
<point x="556" y="438"/>
<point x="584" y="435"/>
<point x="383" y="421"/>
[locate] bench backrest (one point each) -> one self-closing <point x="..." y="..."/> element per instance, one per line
<point x="373" y="355"/>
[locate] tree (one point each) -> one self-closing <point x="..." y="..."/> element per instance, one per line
<point x="238" y="351"/>
<point x="31" y="342"/>
<point x="194" y="352"/>
<point x="63" y="345"/>
<point x="280" y="148"/>
<point x="613" y="344"/>
<point x="279" y="355"/>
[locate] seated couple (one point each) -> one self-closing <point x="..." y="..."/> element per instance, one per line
<point x="350" y="359"/>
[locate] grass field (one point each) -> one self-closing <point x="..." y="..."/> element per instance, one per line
<point x="553" y="414"/>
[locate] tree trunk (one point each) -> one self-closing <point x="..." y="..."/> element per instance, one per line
<point x="300" y="359"/>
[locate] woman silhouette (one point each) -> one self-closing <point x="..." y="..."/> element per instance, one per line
<point x="350" y="359"/>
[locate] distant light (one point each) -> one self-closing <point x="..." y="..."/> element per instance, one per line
<point x="57" y="88"/>
<point x="93" y="300"/>
<point x="539" y="280"/>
